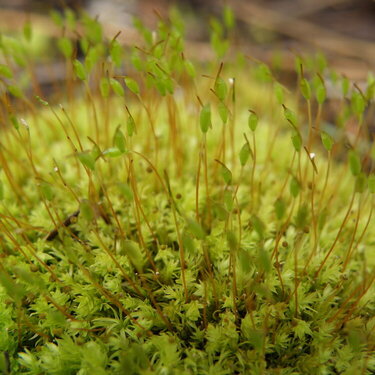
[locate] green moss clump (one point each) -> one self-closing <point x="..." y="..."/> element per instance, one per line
<point x="171" y="217"/>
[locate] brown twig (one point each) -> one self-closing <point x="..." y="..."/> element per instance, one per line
<point x="67" y="222"/>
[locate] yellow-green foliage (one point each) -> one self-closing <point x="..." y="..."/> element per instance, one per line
<point x="163" y="216"/>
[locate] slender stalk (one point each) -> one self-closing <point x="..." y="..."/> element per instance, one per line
<point x="337" y="236"/>
<point x="252" y="186"/>
<point x="351" y="248"/>
<point x="180" y="243"/>
<point x="208" y="199"/>
<point x="197" y="183"/>
<point x="94" y="111"/>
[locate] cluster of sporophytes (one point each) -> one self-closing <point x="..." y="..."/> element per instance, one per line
<point x="161" y="216"/>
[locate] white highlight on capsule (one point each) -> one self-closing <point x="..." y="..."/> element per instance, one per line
<point x="24" y="123"/>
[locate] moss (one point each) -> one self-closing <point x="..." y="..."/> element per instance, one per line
<point x="151" y="223"/>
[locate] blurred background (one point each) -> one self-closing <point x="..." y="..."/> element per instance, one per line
<point x="268" y="30"/>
